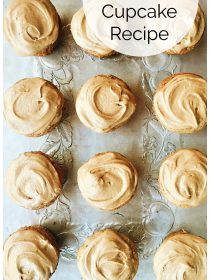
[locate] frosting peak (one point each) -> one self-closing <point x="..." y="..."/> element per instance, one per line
<point x="183" y="178"/>
<point x="193" y="37"/>
<point x="31" y="26"/>
<point x="29" y="255"/>
<point x="105" y="103"/>
<point x="33" y="106"/>
<point x="180" y="103"/>
<point x="107" y="181"/>
<point x="85" y="37"/>
<point x="181" y="256"/>
<point x="107" y="255"/>
<point x="32" y="181"/>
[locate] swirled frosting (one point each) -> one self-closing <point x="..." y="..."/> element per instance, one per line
<point x="193" y="37"/>
<point x="180" y="103"/>
<point x="181" y="256"/>
<point x="31" y="26"/>
<point x="107" y="181"/>
<point x="29" y="255"/>
<point x="183" y="178"/>
<point x="33" y="107"/>
<point x="107" y="255"/>
<point x="32" y="181"/>
<point x="105" y="103"/>
<point x="85" y="37"/>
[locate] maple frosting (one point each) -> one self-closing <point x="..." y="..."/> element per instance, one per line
<point x="183" y="178"/>
<point x="31" y="26"/>
<point x="181" y="256"/>
<point x="181" y="103"/>
<point x="107" y="255"/>
<point x="193" y="37"/>
<point x="85" y="37"/>
<point x="32" y="180"/>
<point x="33" y="106"/>
<point x="29" y="255"/>
<point x="107" y="181"/>
<point x="105" y="103"/>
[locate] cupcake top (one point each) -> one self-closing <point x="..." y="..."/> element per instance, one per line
<point x="85" y="37"/>
<point x="181" y="256"/>
<point x="31" y="26"/>
<point x="33" y="106"/>
<point x="105" y="103"/>
<point x="29" y="254"/>
<point x="183" y="178"/>
<point x="180" y="103"/>
<point x="107" y="255"/>
<point x="107" y="181"/>
<point x="32" y="180"/>
<point x="193" y="37"/>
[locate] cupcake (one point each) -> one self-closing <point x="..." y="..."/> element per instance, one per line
<point x="105" y="103"/>
<point x="30" y="253"/>
<point x="183" y="178"/>
<point x="32" y="27"/>
<point x="107" y="181"/>
<point x="33" y="107"/>
<point x="85" y="37"/>
<point x="180" y="103"/>
<point x="192" y="39"/>
<point x="181" y="256"/>
<point x="107" y="255"/>
<point x="33" y="180"/>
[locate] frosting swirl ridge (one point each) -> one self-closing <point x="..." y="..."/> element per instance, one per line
<point x="29" y="255"/>
<point x="180" y="103"/>
<point x="183" y="178"/>
<point x="192" y="38"/>
<point x="33" y="106"/>
<point x="32" y="180"/>
<point x="86" y="38"/>
<point x="181" y="256"/>
<point x="105" y="103"/>
<point x="107" y="255"/>
<point x="107" y="181"/>
<point x="31" y="26"/>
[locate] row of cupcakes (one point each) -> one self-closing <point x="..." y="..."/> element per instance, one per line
<point x="105" y="103"/>
<point x="39" y="35"/>
<point x="32" y="253"/>
<point x="107" y="181"/>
